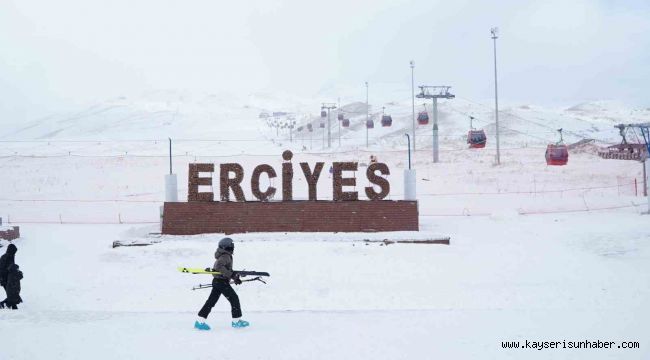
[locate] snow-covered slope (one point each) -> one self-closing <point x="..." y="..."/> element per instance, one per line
<point x="547" y="278"/>
<point x="158" y="115"/>
<point x="511" y="273"/>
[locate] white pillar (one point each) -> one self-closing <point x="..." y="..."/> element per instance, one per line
<point x="409" y="184"/>
<point x="171" y="188"/>
<point x="162" y="211"/>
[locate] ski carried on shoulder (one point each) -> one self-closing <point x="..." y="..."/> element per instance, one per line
<point x="209" y="271"/>
<point x="198" y="271"/>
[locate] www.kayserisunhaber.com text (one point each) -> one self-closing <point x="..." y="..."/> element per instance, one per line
<point x="564" y="344"/>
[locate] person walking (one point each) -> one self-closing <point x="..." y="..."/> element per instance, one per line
<point x="221" y="285"/>
<point x="6" y="260"/>
<point x="14" y="275"/>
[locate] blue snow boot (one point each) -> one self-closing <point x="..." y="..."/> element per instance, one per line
<point x="240" y="323"/>
<point x="201" y="325"/>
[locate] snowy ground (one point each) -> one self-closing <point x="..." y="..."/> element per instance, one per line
<point x="574" y="278"/>
<point x="537" y="253"/>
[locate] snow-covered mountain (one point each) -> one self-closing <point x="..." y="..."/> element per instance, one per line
<point x="179" y="115"/>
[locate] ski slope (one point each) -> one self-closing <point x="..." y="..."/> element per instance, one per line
<point x="574" y="277"/>
<point x="537" y="252"/>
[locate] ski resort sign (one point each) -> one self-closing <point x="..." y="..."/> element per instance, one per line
<point x="344" y="213"/>
<point x="232" y="174"/>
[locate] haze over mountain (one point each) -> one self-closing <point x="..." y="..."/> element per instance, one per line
<point x="71" y="54"/>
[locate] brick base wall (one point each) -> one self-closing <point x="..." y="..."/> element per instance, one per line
<point x="10" y="234"/>
<point x="191" y="218"/>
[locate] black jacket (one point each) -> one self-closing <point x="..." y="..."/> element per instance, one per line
<point x="6" y="261"/>
<point x="13" y="285"/>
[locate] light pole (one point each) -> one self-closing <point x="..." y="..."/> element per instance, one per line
<point x="170" y="156"/>
<point x="413" y="100"/>
<point x="409" y="149"/>
<point x="367" y="114"/>
<point x="494" y="32"/>
<point x="291" y="124"/>
<point x="339" y="121"/>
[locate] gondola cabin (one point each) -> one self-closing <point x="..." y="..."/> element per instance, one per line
<point x="386" y="121"/>
<point x="345" y="123"/>
<point x="476" y="139"/>
<point x="322" y="125"/>
<point x="323" y="113"/>
<point x="423" y="118"/>
<point x="310" y="127"/>
<point x="557" y="154"/>
<point x="340" y="117"/>
<point x="370" y="124"/>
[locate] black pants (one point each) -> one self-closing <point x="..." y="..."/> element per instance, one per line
<point x="8" y="305"/>
<point x="221" y="287"/>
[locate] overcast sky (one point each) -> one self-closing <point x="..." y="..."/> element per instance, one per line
<point x="60" y="54"/>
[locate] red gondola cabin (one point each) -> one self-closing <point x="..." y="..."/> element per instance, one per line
<point x="476" y="139"/>
<point x="557" y="154"/>
<point x="423" y="118"/>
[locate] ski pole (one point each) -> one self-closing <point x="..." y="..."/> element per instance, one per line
<point x="205" y="286"/>
<point x="202" y="286"/>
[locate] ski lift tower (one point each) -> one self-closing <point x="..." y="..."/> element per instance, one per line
<point x="328" y="107"/>
<point x="435" y="93"/>
<point x="645" y="131"/>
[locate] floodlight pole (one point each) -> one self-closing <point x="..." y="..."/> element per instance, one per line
<point x="409" y="149"/>
<point x="494" y="32"/>
<point x="367" y="114"/>
<point x="413" y="99"/>
<point x="339" y="121"/>
<point x="170" y="156"/>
